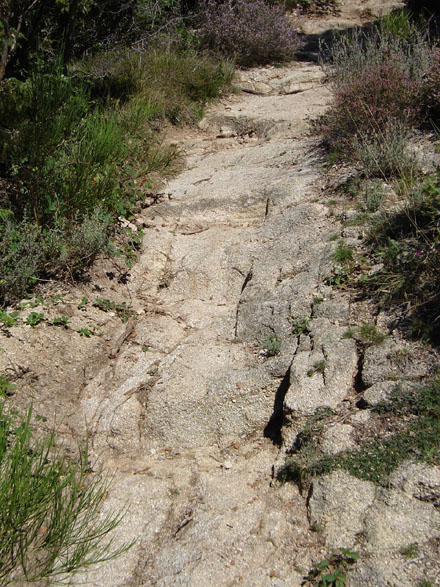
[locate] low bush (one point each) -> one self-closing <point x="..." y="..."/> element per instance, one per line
<point x="249" y="31"/>
<point x="79" y="150"/>
<point x="407" y="243"/>
<point x="382" y="74"/>
<point x="384" y="152"/>
<point x="50" y="523"/>
<point x="381" y="98"/>
<point x="432" y="87"/>
<point x="29" y="252"/>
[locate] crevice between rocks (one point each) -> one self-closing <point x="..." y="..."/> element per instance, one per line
<point x="359" y="385"/>
<point x="275" y="424"/>
<point x="247" y="279"/>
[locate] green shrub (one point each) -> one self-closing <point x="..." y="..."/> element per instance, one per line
<point x="407" y="243"/>
<point x="179" y="84"/>
<point x="28" y="252"/>
<point x="51" y="523"/>
<point x="72" y="162"/>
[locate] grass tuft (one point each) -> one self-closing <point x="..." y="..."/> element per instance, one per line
<point x="51" y="523"/>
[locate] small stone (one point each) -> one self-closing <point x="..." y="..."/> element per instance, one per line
<point x="227" y="465"/>
<point x="379" y="392"/>
<point x="337" y="439"/>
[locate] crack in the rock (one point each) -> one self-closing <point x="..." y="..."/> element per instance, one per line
<point x="266" y="212"/>
<point x="275" y="424"/>
<point x="359" y="385"/>
<point x="247" y="279"/>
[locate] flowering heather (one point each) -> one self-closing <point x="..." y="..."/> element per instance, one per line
<point x="369" y="102"/>
<point x="250" y="31"/>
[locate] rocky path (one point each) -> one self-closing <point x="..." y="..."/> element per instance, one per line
<point x="190" y="411"/>
<point x="194" y="403"/>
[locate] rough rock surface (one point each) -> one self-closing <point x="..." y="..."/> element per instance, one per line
<point x="186" y="405"/>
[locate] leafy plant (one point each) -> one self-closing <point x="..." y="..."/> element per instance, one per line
<point x="301" y="325"/>
<point x="60" y="321"/>
<point x="331" y="571"/>
<point x="8" y="318"/>
<point x="271" y="346"/>
<point x="34" y="318"/>
<point x="51" y="522"/>
<point x="85" y="332"/>
<point x="83" y="303"/>
<point x="6" y="387"/>
<point x="104" y="305"/>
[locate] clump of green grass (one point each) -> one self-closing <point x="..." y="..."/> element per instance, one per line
<point x="367" y="333"/>
<point x="343" y="254"/>
<point x="318" y="367"/>
<point x="300" y="325"/>
<point x="410" y="551"/>
<point x="51" y="524"/>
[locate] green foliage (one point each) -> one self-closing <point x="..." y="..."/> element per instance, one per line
<point x="51" y="522"/>
<point x="8" y="318"/>
<point x="28" y="251"/>
<point x="343" y="253"/>
<point x="370" y="334"/>
<point x="414" y="418"/>
<point x="407" y="243"/>
<point x="272" y="346"/>
<point x="83" y="303"/>
<point x="330" y="572"/>
<point x="121" y="309"/>
<point x="72" y="164"/>
<point x="85" y="332"/>
<point x="410" y="551"/>
<point x="61" y="321"/>
<point x="367" y="333"/>
<point x="34" y="318"/>
<point x="384" y="153"/>
<point x="300" y="325"/>
<point x="6" y="387"/>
